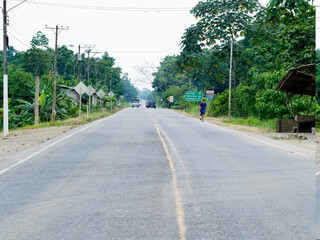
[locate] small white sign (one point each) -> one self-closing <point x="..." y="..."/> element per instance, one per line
<point x="81" y="88"/>
<point x="171" y="98"/>
<point x="91" y="90"/>
<point x="101" y="93"/>
<point x="210" y="92"/>
<point x="111" y="94"/>
<point x="79" y="57"/>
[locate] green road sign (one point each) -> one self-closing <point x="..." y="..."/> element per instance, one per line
<point x="193" y="96"/>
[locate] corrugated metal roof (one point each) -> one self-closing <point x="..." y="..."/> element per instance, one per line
<point x="299" y="82"/>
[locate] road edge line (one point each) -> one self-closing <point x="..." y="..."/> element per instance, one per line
<point x="56" y="142"/>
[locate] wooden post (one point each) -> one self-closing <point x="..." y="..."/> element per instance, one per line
<point x="36" y="100"/>
<point x="311" y="100"/>
<point x="80" y="101"/>
<point x="230" y="79"/>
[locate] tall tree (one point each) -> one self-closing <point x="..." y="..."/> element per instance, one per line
<point x="224" y="21"/>
<point x="40" y="40"/>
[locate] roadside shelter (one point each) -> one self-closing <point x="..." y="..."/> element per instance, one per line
<point x="299" y="80"/>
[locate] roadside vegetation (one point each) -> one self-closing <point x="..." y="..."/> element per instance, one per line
<point x="23" y="66"/>
<point x="266" y="43"/>
<point x="73" y="121"/>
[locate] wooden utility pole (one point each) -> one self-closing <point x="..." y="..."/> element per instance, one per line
<point x="56" y="28"/>
<point x="230" y="79"/>
<point x="36" y="100"/>
<point x="79" y="58"/>
<point x="189" y="90"/>
<point x="110" y="97"/>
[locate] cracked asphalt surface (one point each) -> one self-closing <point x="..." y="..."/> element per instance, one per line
<point x="112" y="180"/>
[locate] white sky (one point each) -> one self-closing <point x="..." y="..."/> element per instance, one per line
<point x="317" y="3"/>
<point x="131" y="37"/>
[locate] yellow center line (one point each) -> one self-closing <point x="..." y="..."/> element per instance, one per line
<point x="176" y="191"/>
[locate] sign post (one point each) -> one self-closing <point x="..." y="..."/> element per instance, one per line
<point x="101" y="95"/>
<point x="111" y="94"/>
<point x="80" y="89"/>
<point x="170" y="100"/>
<point x="91" y="91"/>
<point x="210" y="97"/>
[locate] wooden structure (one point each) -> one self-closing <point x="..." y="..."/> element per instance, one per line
<point x="300" y="80"/>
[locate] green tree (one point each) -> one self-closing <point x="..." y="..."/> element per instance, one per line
<point x="224" y="21"/>
<point x="40" y="40"/>
<point x="129" y="90"/>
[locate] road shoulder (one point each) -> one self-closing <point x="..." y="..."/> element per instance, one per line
<point x="310" y="144"/>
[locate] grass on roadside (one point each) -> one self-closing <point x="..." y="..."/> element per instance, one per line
<point x="73" y="122"/>
<point x="268" y="125"/>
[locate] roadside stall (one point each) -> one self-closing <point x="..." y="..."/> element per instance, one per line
<point x="300" y="80"/>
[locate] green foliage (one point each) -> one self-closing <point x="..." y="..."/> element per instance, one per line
<point x="268" y="125"/>
<point x="40" y="40"/>
<point x="224" y="19"/>
<point x="178" y="95"/>
<point x="318" y="76"/>
<point x="287" y="10"/>
<point x="220" y="104"/>
<point x="36" y="60"/>
<point x="39" y="59"/>
<point x="129" y="90"/>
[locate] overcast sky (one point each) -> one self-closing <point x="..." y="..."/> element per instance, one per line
<point x="132" y="36"/>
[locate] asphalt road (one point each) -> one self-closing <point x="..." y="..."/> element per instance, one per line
<point x="155" y="174"/>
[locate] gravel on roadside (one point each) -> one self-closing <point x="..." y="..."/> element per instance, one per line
<point x="19" y="140"/>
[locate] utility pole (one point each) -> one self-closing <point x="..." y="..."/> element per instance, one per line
<point x="189" y="90"/>
<point x="56" y="28"/>
<point x="88" y="70"/>
<point x="79" y="58"/>
<point x="105" y="77"/>
<point x="5" y="73"/>
<point x="230" y="79"/>
<point x="110" y="97"/>
<point x="88" y="66"/>
<point x="36" y="100"/>
<point x="5" y="67"/>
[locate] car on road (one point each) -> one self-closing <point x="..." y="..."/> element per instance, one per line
<point x="135" y="103"/>
<point x="151" y="104"/>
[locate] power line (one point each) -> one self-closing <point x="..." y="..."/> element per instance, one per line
<point x="41" y="13"/>
<point x="134" y="52"/>
<point x="18" y="40"/>
<point x="121" y="9"/>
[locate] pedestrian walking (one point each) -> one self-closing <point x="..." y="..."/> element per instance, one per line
<point x="202" y="110"/>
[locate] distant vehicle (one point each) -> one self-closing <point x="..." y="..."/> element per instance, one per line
<point x="135" y="103"/>
<point x="151" y="104"/>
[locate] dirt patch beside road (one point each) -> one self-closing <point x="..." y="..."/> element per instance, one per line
<point x="19" y="140"/>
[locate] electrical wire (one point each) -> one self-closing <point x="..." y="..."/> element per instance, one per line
<point x="40" y="12"/>
<point x="142" y="52"/>
<point x="18" y="40"/>
<point x="121" y="9"/>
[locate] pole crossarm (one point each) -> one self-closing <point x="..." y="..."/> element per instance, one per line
<point x="60" y="29"/>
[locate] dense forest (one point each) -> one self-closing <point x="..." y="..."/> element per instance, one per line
<point x="266" y="43"/>
<point x="39" y="59"/>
